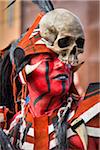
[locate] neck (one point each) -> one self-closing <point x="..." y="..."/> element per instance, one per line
<point x="44" y="103"/>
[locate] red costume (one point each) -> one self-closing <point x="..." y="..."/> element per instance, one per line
<point x="55" y="116"/>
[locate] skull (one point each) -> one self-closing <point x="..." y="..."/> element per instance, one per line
<point x="62" y="32"/>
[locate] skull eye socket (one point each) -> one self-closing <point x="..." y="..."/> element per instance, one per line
<point x="80" y="42"/>
<point x="64" y="42"/>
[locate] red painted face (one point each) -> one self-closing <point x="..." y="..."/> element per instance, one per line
<point x="51" y="76"/>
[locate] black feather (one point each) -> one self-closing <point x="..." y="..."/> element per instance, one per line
<point x="11" y="4"/>
<point x="6" y="96"/>
<point x="5" y="141"/>
<point x="45" y="5"/>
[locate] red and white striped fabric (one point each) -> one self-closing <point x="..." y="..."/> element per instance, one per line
<point x="42" y="136"/>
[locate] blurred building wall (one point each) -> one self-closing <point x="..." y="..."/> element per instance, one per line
<point x="10" y="22"/>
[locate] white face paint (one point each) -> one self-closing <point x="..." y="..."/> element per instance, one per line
<point x="30" y="68"/>
<point x="63" y="34"/>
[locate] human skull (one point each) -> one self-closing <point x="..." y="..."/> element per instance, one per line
<point x="62" y="32"/>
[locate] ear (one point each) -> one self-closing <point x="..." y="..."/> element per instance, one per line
<point x="75" y="68"/>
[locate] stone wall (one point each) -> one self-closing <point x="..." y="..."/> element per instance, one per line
<point x="10" y="22"/>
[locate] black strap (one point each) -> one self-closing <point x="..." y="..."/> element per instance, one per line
<point x="77" y="125"/>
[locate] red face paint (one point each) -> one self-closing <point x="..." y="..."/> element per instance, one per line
<point x="51" y="78"/>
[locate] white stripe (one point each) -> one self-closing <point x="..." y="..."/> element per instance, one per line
<point x="34" y="33"/>
<point x="21" y="78"/>
<point x="30" y="68"/>
<point x="43" y="41"/>
<point x="31" y="132"/>
<point x="39" y="42"/>
<point x="53" y="143"/>
<point x="15" y="121"/>
<point x="71" y="115"/>
<point x="28" y="146"/>
<point x="2" y="107"/>
<point x="70" y="133"/>
<point x="86" y="116"/>
<point x="93" y="131"/>
<point x="50" y="128"/>
<point x="90" y="113"/>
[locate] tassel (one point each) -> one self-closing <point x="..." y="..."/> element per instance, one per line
<point x="62" y="125"/>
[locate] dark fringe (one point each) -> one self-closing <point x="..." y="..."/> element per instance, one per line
<point x="5" y="141"/>
<point x="61" y="132"/>
<point x="6" y="94"/>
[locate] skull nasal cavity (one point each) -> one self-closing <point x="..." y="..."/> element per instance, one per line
<point x="64" y="42"/>
<point x="73" y="51"/>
